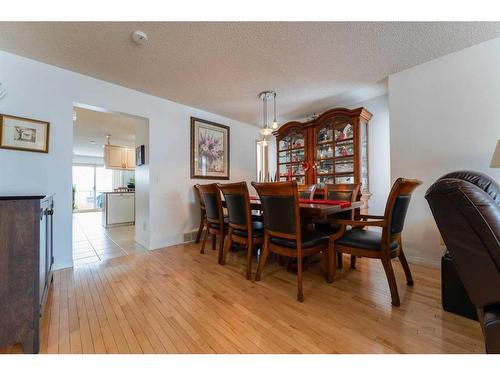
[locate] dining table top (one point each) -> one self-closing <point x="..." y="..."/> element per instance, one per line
<point x="314" y="209"/>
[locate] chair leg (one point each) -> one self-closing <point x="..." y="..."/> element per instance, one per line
<point x="300" y="294"/>
<point x="325" y="261"/>
<point x="213" y="241"/>
<point x="249" y="259"/>
<point x="331" y="263"/>
<point x="221" y="245"/>
<point x="227" y="246"/>
<point x="339" y="261"/>
<point x="200" y="230"/>
<point x="205" y="237"/>
<point x="353" y="262"/>
<point x="389" y="272"/>
<point x="281" y="260"/>
<point x="406" y="267"/>
<point x="262" y="260"/>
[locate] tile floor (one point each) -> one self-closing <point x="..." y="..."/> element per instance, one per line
<point x="93" y="243"/>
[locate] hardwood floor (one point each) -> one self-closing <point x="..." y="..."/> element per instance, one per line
<point x="176" y="300"/>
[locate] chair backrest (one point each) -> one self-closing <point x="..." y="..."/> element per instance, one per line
<point x="213" y="203"/>
<point x="479" y="179"/>
<point x="342" y="192"/>
<point x="238" y="205"/>
<point x="397" y="206"/>
<point x="306" y="191"/>
<point x="467" y="213"/>
<point x="198" y="194"/>
<point x="280" y="205"/>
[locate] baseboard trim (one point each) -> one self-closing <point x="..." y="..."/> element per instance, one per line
<point x="62" y="266"/>
<point x="423" y="261"/>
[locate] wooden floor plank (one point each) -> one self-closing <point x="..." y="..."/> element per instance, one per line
<point x="176" y="300"/>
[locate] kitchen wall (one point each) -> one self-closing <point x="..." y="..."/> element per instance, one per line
<point x="444" y="117"/>
<point x="45" y="92"/>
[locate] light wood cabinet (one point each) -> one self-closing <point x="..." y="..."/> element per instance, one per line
<point x="117" y="157"/>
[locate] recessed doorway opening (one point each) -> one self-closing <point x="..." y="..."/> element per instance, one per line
<point x="110" y="190"/>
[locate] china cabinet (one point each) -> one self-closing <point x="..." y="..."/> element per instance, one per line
<point x="332" y="148"/>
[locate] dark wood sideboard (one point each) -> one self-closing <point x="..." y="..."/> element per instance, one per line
<point x="26" y="259"/>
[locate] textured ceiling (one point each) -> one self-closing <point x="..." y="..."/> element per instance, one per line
<point x="221" y="67"/>
<point x="94" y="126"/>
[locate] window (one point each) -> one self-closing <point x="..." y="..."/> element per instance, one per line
<point x="89" y="182"/>
<point x="262" y="161"/>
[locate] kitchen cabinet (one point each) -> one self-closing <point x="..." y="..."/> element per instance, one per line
<point x="117" y="157"/>
<point x="118" y="209"/>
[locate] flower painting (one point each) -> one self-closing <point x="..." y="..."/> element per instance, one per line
<point x="209" y="150"/>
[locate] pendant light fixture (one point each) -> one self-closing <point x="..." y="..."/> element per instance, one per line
<point x="267" y="128"/>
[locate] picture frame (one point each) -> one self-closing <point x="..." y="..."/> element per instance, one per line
<point x="24" y="134"/>
<point x="140" y="155"/>
<point x="210" y="150"/>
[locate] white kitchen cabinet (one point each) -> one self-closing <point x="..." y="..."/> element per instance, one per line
<point x="117" y="157"/>
<point x="118" y="209"/>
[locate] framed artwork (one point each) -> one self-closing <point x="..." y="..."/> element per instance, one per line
<point x="23" y="134"/>
<point x="209" y="150"/>
<point x="140" y="158"/>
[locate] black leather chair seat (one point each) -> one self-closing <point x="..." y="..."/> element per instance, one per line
<point x="492" y="328"/>
<point x="257" y="230"/>
<point x="216" y="225"/>
<point x="309" y="239"/>
<point x="364" y="239"/>
<point x="258" y="218"/>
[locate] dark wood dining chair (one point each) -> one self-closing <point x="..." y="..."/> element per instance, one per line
<point x="341" y="192"/>
<point x="216" y="224"/>
<point x="203" y="213"/>
<point x="306" y="191"/>
<point x="282" y="230"/>
<point x="384" y="245"/>
<point x="243" y="229"/>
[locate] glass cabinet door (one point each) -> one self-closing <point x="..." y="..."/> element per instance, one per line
<point x="363" y="144"/>
<point x="335" y="151"/>
<point x="291" y="156"/>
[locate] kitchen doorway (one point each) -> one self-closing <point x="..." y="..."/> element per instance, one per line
<point x="105" y="205"/>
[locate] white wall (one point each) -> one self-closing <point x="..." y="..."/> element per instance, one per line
<point x="85" y="159"/>
<point x="379" y="155"/>
<point x="444" y="117"/>
<point x="142" y="187"/>
<point x="45" y="92"/>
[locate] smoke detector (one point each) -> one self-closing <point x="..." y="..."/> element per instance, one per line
<point x="140" y="37"/>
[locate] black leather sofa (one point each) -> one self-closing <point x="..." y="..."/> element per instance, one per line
<point x="466" y="207"/>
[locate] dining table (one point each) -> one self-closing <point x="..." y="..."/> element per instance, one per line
<point x="311" y="211"/>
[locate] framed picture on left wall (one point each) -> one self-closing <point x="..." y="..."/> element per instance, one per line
<point x="209" y="150"/>
<point x="24" y="134"/>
